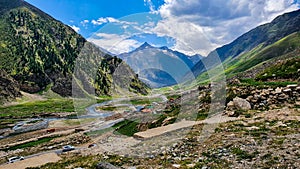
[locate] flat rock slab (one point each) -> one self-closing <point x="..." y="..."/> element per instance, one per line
<point x="182" y="124"/>
<point x="165" y="129"/>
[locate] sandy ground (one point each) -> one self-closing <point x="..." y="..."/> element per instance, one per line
<point x="32" y="162"/>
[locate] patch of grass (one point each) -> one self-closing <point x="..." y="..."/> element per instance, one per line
<point x="103" y="99"/>
<point x="144" y="101"/>
<point x="6" y="123"/>
<point x="279" y="141"/>
<point x="31" y="144"/>
<point x="248" y="115"/>
<point x="202" y="115"/>
<point x="243" y="154"/>
<point x="174" y="96"/>
<point x="127" y="127"/>
<point x="159" y="121"/>
<point x="107" y="108"/>
<point x="285" y="70"/>
<point x="292" y="128"/>
<point x="32" y="108"/>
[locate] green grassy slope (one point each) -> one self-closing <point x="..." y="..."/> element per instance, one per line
<point x="259" y="55"/>
<point x="263" y="62"/>
<point x="264" y="35"/>
<point x="36" y="50"/>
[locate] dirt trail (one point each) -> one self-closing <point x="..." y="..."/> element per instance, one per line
<point x="33" y="162"/>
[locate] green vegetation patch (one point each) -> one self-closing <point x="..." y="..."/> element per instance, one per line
<point x="107" y="108"/>
<point x="243" y="154"/>
<point x="31" y="144"/>
<point x="144" y="101"/>
<point x="281" y="47"/>
<point x="284" y="70"/>
<point x="32" y="108"/>
<point x="126" y="127"/>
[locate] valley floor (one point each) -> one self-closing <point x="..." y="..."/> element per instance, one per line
<point x="151" y="138"/>
<point x="269" y="138"/>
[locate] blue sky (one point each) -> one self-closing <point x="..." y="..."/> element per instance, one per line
<point x="189" y="26"/>
<point x="72" y="12"/>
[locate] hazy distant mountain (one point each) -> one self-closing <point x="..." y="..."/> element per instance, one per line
<point x="264" y="35"/>
<point x="159" y="67"/>
<point x="37" y="51"/>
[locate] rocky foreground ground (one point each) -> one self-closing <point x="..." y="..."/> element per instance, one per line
<point x="268" y="139"/>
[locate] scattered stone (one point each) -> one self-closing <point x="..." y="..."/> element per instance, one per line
<point x="176" y="165"/>
<point x="241" y="104"/>
<point x="204" y="167"/>
<point x="253" y="128"/>
<point x="230" y="105"/>
<point x="287" y="90"/>
<point x="131" y="168"/>
<point x="278" y="90"/>
<point x="104" y="165"/>
<point x="232" y="113"/>
<point x="292" y="86"/>
<point x="191" y="165"/>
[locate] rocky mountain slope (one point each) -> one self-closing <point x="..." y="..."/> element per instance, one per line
<point x="262" y="36"/>
<point x="38" y="51"/>
<point x="9" y="88"/>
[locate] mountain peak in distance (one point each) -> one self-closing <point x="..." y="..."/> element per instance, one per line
<point x="144" y="46"/>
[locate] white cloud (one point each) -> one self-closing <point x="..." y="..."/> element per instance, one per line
<point x="75" y="28"/>
<point x="99" y="21"/>
<point x="114" y="43"/>
<point x="221" y="21"/>
<point x="150" y="5"/>
<point x="85" y="22"/>
<point x="103" y="20"/>
<point x="189" y="36"/>
<point x="198" y="26"/>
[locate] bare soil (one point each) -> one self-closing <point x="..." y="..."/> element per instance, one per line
<point x="33" y="162"/>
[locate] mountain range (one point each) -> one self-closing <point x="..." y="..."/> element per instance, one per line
<point x="155" y="65"/>
<point x="39" y="53"/>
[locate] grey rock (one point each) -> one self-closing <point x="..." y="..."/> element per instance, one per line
<point x="104" y="165"/>
<point x="292" y="86"/>
<point x="241" y="104"/>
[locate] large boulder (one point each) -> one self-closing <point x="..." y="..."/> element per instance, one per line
<point x="241" y="104"/>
